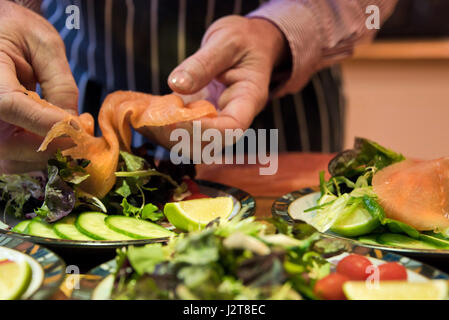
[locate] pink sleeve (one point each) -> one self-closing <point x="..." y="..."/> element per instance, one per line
<point x="319" y="32"/>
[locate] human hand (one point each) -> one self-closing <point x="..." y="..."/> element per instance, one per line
<point x="232" y="69"/>
<point x="31" y="52"/>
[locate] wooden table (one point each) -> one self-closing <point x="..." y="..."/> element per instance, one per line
<point x="295" y="171"/>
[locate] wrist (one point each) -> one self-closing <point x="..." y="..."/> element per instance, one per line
<point x="273" y="37"/>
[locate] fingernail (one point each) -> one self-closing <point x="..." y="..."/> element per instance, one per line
<point x="181" y="80"/>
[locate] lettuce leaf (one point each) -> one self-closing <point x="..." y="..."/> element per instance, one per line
<point x="59" y="198"/>
<point x="18" y="189"/>
<point x="366" y="153"/>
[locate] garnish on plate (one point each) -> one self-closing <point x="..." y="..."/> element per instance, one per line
<point x="377" y="196"/>
<point x="230" y="259"/>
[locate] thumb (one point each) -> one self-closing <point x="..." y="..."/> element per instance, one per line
<point x="198" y="70"/>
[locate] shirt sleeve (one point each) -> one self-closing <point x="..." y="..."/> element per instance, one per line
<point x="319" y="32"/>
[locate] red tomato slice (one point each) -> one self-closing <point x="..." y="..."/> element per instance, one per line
<point x="392" y="271"/>
<point x="331" y="287"/>
<point x="355" y="267"/>
<point x="192" y="186"/>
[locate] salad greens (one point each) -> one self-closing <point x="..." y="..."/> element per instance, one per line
<point x="59" y="198"/>
<point x="349" y="189"/>
<point x="348" y="195"/>
<point x="366" y="154"/>
<point x="141" y="189"/>
<point x="147" y="211"/>
<point x="235" y="259"/>
<point x="21" y="192"/>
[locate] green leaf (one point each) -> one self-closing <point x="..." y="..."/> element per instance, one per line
<point x="17" y="189"/>
<point x="400" y="227"/>
<point x="144" y="259"/>
<point x="129" y="210"/>
<point x="132" y="162"/>
<point x="77" y="179"/>
<point x="194" y="276"/>
<point x="246" y="226"/>
<point x="43" y="211"/>
<point x="393" y="225"/>
<point x="375" y="210"/>
<point x="148" y="211"/>
<point x="151" y="212"/>
<point x="59" y="197"/>
<point x="146" y="174"/>
<point x="70" y="170"/>
<point x="124" y="190"/>
<point x="365" y="154"/>
<point x="198" y="248"/>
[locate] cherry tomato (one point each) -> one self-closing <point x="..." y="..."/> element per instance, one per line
<point x="392" y="271"/>
<point x="331" y="287"/>
<point x="355" y="267"/>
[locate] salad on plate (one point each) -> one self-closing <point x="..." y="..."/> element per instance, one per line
<point x="147" y="202"/>
<point x="379" y="197"/>
<point x="258" y="260"/>
<point x="101" y="188"/>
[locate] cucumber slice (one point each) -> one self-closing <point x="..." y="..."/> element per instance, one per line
<point x="137" y="228"/>
<point x="21" y="226"/>
<point x="70" y="232"/>
<point x="402" y="241"/>
<point x="92" y="225"/>
<point x="41" y="229"/>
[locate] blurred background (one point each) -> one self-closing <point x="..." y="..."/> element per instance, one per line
<point x="397" y="88"/>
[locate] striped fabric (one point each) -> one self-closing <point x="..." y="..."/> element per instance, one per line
<point x="135" y="44"/>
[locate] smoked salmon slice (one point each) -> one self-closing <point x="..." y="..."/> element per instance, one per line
<point x="119" y="111"/>
<point x="416" y="193"/>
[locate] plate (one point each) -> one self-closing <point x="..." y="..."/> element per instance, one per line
<point x="307" y="199"/>
<point x="242" y="202"/>
<point x="47" y="269"/>
<point x="98" y="282"/>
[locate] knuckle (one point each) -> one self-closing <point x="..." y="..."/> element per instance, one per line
<point x="49" y="38"/>
<point x="200" y="64"/>
<point x="235" y="43"/>
<point x="54" y="40"/>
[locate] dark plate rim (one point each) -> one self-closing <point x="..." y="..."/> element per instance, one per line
<point x="280" y="206"/>
<point x="53" y="267"/>
<point x="246" y="200"/>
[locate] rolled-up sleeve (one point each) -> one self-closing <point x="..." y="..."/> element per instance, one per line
<point x="319" y="32"/>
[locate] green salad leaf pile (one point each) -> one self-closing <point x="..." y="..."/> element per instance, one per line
<point x="235" y="259"/>
<point x="141" y="189"/>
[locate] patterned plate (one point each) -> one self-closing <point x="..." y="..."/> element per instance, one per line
<point x="243" y="202"/>
<point x="280" y="209"/>
<point x="98" y="282"/>
<point x="48" y="270"/>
